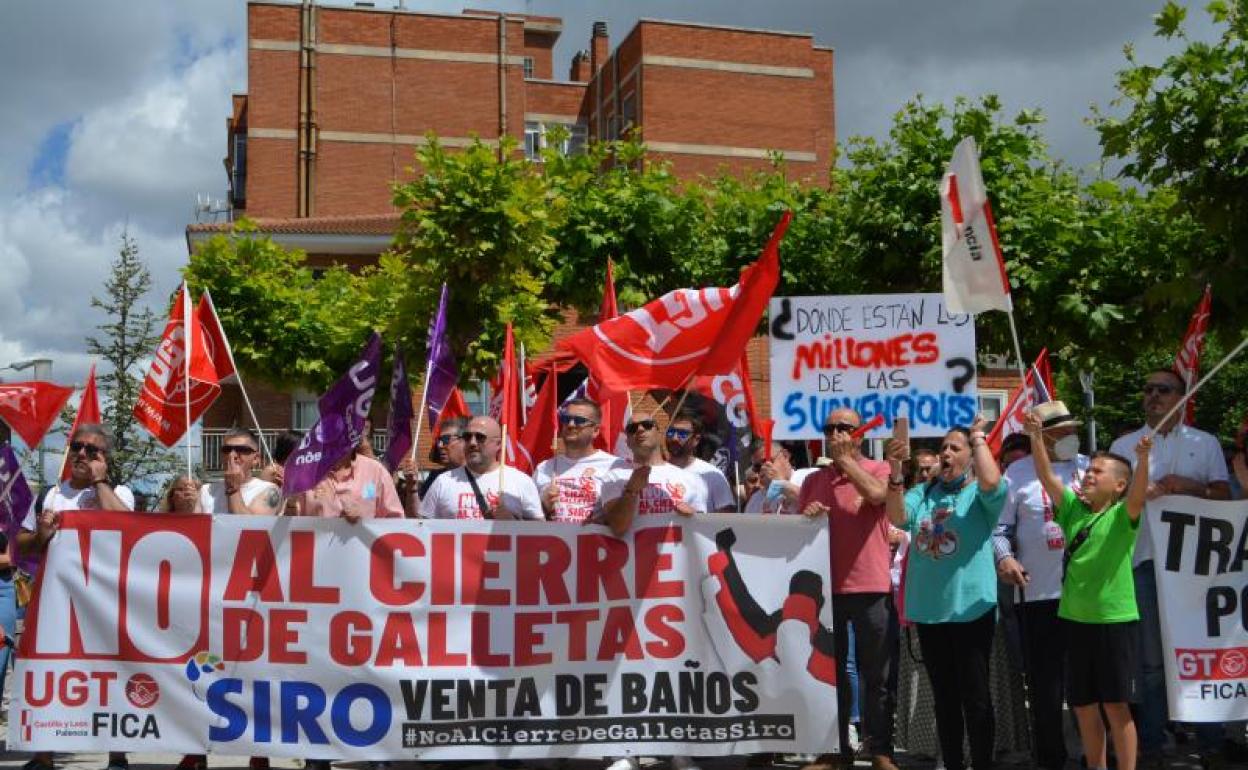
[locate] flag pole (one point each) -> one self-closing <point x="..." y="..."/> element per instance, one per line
<point x="420" y="413"/>
<point x="188" y="343"/>
<point x="1188" y="395"/>
<point x="524" y="390"/>
<point x="1018" y="349"/>
<point x="668" y="397"/>
<point x="264" y="445"/>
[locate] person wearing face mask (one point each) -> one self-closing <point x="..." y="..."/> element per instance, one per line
<point x="681" y="442"/>
<point x="951" y="585"/>
<point x="1028" y="545"/>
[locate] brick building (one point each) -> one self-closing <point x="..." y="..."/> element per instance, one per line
<point x="338" y="98"/>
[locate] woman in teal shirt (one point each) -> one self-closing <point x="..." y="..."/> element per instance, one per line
<point x="951" y="582"/>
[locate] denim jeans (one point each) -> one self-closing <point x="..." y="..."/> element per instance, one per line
<point x="8" y="619"/>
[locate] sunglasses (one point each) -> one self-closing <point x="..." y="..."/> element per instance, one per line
<point x="469" y="437"/>
<point x="238" y="449"/>
<point x="833" y="428"/>
<point x="92" y="450"/>
<point x="680" y="434"/>
<point x="447" y="439"/>
<point x="633" y="427"/>
<point x="1159" y="388"/>
<point x="575" y="420"/>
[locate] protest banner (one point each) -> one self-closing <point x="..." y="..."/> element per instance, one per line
<point x="891" y="354"/>
<point x="1202" y="553"/>
<point x="428" y="639"/>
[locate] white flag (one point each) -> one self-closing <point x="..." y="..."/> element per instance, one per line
<point x="974" y="271"/>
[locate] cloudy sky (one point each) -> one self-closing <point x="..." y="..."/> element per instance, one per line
<point x="115" y="112"/>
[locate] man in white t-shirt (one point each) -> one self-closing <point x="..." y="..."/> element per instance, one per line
<point x="649" y="485"/>
<point x="87" y="488"/>
<point x="781" y="483"/>
<point x="239" y="491"/>
<point x="571" y="483"/>
<point x="684" y="434"/>
<point x="454" y="496"/>
<point x="1184" y="461"/>
<point x="1029" y="544"/>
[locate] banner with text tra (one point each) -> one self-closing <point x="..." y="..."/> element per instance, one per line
<point x="434" y="640"/>
<point x="896" y="355"/>
<point x="1201" y="564"/>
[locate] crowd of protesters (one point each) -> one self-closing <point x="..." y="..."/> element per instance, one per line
<point x="932" y="540"/>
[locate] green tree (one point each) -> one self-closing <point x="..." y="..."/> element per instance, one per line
<point x="1185" y="127"/>
<point x="128" y="337"/>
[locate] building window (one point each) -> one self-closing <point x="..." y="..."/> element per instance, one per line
<point x="304" y="411"/>
<point x="534" y="141"/>
<point x="477" y="397"/>
<point x="528" y="66"/>
<point x="628" y="112"/>
<point x="992" y="404"/>
<point x="575" y="143"/>
<point x="238" y="172"/>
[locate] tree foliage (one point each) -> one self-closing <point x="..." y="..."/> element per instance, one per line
<point x="127" y="338"/>
<point x="1185" y="128"/>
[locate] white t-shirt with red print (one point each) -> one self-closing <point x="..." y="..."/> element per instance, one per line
<point x="579" y="482"/>
<point x="451" y="496"/>
<point x="668" y="486"/>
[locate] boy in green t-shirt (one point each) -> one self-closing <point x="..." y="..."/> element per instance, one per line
<point x="1098" y="590"/>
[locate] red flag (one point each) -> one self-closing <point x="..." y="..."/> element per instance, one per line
<point x="1187" y="361"/>
<point x="215" y="345"/>
<point x="30" y="408"/>
<point x="684" y="332"/>
<point x="537" y="439"/>
<point x="88" y="412"/>
<point x="455" y="406"/>
<point x="1037" y="387"/>
<point x="609" y="308"/>
<point x="162" y="406"/>
<point x="509" y="409"/>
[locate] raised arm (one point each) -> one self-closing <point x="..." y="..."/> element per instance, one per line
<point x="986" y="470"/>
<point x="842" y="447"/>
<point x="897" y="452"/>
<point x="1137" y="493"/>
<point x="1053" y="485"/>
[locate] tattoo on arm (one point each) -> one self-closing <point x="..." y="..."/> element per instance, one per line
<point x="274" y="499"/>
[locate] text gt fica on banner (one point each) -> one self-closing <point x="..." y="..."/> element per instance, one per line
<point x="896" y="355"/>
<point x="1201" y="549"/>
<point x="428" y="639"/>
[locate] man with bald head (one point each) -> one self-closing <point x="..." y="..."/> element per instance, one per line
<point x="850" y="491"/>
<point x="472" y="491"/>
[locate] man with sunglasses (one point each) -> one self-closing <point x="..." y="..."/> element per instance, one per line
<point x="472" y="490"/>
<point x="650" y="484"/>
<point x="239" y="491"/>
<point x="684" y="434"/>
<point x="87" y="488"/>
<point x="1184" y="461"/>
<point x="851" y="491"/>
<point x="571" y="483"/>
<point x="447" y="450"/>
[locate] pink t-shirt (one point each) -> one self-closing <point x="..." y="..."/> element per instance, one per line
<point x="368" y="492"/>
<point x="858" y="531"/>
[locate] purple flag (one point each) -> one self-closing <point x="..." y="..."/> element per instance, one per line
<point x="441" y="372"/>
<point x="16" y="500"/>
<point x="399" y="425"/>
<point x="340" y="426"/>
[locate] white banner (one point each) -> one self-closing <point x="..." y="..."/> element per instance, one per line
<point x="1201" y="549"/>
<point x="429" y="640"/>
<point x="891" y="354"/>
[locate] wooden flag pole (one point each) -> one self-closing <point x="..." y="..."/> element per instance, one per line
<point x="186" y="371"/>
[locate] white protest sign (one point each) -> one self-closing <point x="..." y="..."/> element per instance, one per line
<point x="1201" y="549"/>
<point x="884" y="354"/>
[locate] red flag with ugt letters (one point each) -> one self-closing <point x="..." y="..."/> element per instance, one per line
<point x="162" y="406"/>
<point x="684" y="332"/>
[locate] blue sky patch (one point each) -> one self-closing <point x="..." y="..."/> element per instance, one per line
<point x="48" y="168"/>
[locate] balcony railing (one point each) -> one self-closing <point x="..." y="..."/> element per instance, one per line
<point x="213" y="437"/>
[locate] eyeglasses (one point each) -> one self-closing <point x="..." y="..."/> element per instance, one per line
<point x="469" y="437"/>
<point x="238" y="449"/>
<point x="575" y="420"/>
<point x="1159" y="388"/>
<point x="633" y="427"/>
<point x="680" y="434"/>
<point x="446" y="439"/>
<point x="92" y="450"/>
<point x="838" y="427"/>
